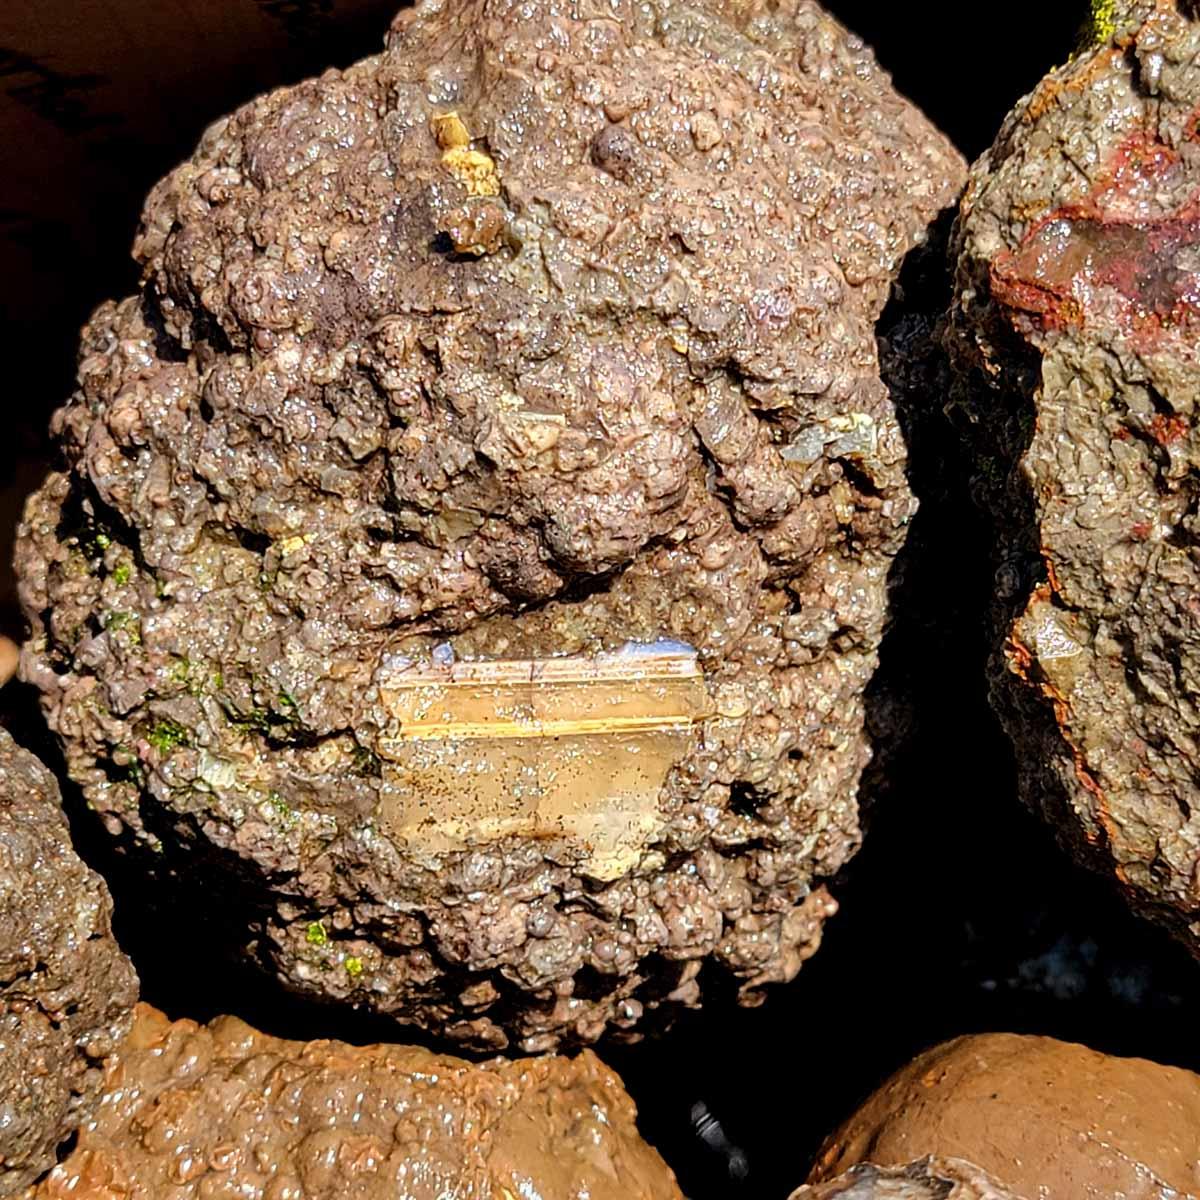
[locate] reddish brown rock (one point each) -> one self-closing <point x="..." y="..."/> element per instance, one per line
<point x="1046" y="1119"/>
<point x="223" y="1111"/>
<point x="66" y="990"/>
<point x="1075" y="326"/>
<point x="473" y="542"/>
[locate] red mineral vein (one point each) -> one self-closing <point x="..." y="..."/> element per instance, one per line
<point x="1075" y="253"/>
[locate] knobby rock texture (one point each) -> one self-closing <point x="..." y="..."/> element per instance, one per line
<point x="1046" y="1119"/>
<point x="546" y="335"/>
<point x="1075" y="324"/>
<point x="221" y="1110"/>
<point x="66" y="990"/>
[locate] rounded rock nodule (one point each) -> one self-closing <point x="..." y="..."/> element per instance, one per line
<point x="1073" y="328"/>
<point x="1040" y="1117"/>
<point x="66" y="990"/>
<point x="221" y="1109"/>
<point x="472" y="545"/>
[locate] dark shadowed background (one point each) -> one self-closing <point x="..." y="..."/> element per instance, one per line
<point x="959" y="915"/>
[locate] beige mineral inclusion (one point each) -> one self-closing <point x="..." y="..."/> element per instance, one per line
<point x="573" y="749"/>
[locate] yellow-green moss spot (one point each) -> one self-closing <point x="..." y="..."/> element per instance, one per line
<point x="167" y="735"/>
<point x="121" y="574"/>
<point x="354" y="967"/>
<point x="316" y="935"/>
<point x="126" y="622"/>
<point x="189" y="675"/>
<point x="1102" y="21"/>
<point x="283" y="810"/>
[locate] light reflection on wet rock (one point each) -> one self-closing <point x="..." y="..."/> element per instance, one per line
<point x="222" y="1110"/>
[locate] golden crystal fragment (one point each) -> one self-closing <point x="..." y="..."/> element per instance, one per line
<point x="575" y="749"/>
<point x="474" y="169"/>
<point x="450" y="131"/>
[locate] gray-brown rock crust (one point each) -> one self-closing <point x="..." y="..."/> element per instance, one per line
<point x="545" y="335"/>
<point x="1075" y="323"/>
<point x="66" y="990"/>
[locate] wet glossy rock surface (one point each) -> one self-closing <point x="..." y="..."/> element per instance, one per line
<point x="66" y="990"/>
<point x="541" y="336"/>
<point x="1075" y="325"/>
<point x="1046" y="1119"/>
<point x="222" y="1110"/>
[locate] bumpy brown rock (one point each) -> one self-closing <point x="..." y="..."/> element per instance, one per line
<point x="1047" y="1119"/>
<point x="1076" y="319"/>
<point x="216" y="1110"/>
<point x="66" y="990"/>
<point x="929" y="1179"/>
<point x="473" y="543"/>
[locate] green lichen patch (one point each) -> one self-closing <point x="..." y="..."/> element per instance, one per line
<point x="284" y="811"/>
<point x="119" y="621"/>
<point x="193" y="676"/>
<point x="167" y="735"/>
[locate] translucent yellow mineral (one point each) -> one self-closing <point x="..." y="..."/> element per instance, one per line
<point x="474" y="169"/>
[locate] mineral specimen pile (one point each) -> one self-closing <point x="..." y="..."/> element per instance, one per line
<point x="66" y="990"/>
<point x="1046" y="1119"/>
<point x="472" y="544"/>
<point x="1076" y="321"/>
<point x="207" y="1111"/>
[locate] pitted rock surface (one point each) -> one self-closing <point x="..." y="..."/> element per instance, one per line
<point x="1075" y="321"/>
<point x="66" y="990"/>
<point x="547" y="331"/>
<point x="222" y="1110"/>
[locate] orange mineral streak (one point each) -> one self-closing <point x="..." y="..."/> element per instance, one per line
<point x="1023" y="662"/>
<point x="1051" y="572"/>
<point x="1169" y="430"/>
<point x="1077" y="77"/>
